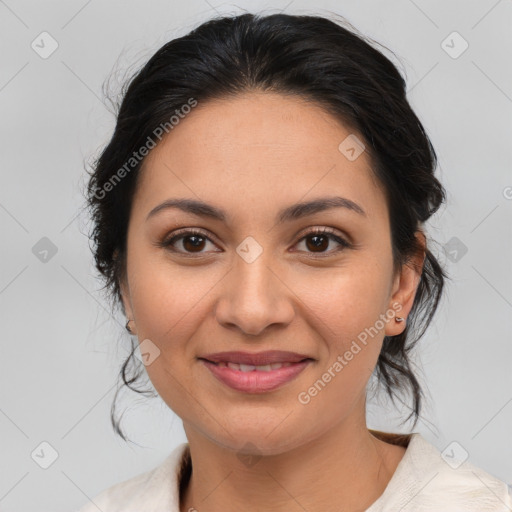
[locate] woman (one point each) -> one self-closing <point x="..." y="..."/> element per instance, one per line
<point x="259" y="217"/>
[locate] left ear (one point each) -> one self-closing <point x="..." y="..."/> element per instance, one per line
<point x="405" y="285"/>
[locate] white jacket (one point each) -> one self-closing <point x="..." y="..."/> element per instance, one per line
<point x="423" y="482"/>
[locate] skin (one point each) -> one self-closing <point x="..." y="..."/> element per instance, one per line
<point x="278" y="150"/>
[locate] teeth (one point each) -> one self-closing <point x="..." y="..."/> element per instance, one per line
<point x="247" y="367"/>
<point x="251" y="367"/>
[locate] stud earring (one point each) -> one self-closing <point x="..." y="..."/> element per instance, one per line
<point x="399" y="319"/>
<point x="127" y="327"/>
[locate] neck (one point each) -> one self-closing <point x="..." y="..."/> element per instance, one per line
<point x="346" y="468"/>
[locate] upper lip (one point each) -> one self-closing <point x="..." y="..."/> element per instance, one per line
<point x="256" y="358"/>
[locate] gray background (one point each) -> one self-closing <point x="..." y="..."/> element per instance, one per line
<point x="61" y="349"/>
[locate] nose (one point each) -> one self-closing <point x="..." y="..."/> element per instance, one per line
<point x="253" y="297"/>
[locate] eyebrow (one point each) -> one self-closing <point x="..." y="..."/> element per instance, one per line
<point x="290" y="213"/>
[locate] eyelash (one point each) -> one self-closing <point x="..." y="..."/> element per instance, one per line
<point x="330" y="233"/>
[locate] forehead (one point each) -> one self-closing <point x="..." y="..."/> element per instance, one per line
<point x="266" y="147"/>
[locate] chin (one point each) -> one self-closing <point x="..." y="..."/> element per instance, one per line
<point x="254" y="442"/>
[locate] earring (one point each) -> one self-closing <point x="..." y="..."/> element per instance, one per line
<point x="127" y="327"/>
<point x="399" y="319"/>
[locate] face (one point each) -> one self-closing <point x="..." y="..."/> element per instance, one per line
<point x="257" y="280"/>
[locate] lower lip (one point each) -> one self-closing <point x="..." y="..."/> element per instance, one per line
<point x="256" y="381"/>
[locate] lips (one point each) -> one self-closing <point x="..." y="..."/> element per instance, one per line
<point x="246" y="360"/>
<point x="259" y="372"/>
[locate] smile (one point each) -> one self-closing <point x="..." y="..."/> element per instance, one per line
<point x="255" y="378"/>
<point x="251" y="367"/>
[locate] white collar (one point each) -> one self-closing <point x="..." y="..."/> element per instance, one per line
<point x="422" y="482"/>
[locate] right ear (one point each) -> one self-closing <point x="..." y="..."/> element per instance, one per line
<point x="125" y="298"/>
<point x="125" y="293"/>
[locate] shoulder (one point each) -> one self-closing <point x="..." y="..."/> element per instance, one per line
<point x="469" y="488"/>
<point x="157" y="487"/>
<point x="431" y="480"/>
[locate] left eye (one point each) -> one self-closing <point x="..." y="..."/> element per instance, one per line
<point x="320" y="238"/>
<point x="193" y="241"/>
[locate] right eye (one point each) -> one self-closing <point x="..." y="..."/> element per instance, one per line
<point x="192" y="241"/>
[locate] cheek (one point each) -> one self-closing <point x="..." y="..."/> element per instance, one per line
<point x="346" y="311"/>
<point x="345" y="301"/>
<point x="166" y="299"/>
<point x="167" y="304"/>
